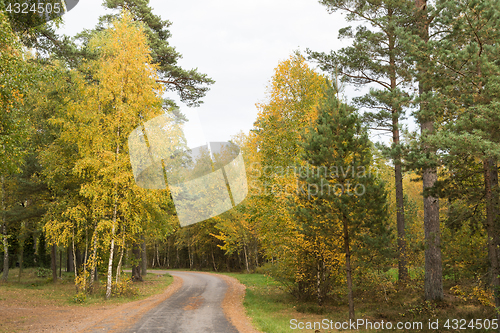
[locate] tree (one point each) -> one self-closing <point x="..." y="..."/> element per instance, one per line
<point x="377" y="58"/>
<point x="416" y="41"/>
<point x="465" y="69"/>
<point x="14" y="75"/>
<point x="347" y="201"/>
<point x="123" y="94"/>
<point x="275" y="149"/>
<point x="189" y="84"/>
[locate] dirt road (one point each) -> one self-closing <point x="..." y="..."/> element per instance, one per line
<point x="194" y="302"/>
<point x="195" y="307"/>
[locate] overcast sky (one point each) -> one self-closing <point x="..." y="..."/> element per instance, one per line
<point x="237" y="43"/>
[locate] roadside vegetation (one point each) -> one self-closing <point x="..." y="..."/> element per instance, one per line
<point x="37" y="289"/>
<point x="272" y="309"/>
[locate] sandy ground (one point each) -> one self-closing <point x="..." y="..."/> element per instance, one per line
<point x="114" y="318"/>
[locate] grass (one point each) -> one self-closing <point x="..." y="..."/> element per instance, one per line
<point x="271" y="309"/>
<point x="41" y="291"/>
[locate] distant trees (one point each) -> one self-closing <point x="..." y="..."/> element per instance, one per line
<point x="15" y="74"/>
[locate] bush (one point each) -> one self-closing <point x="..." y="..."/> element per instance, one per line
<point x="80" y="297"/>
<point x="43" y="272"/>
<point x="124" y="287"/>
<point x="311" y="308"/>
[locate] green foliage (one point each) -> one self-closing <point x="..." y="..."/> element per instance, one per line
<point x="42" y="272"/>
<point x="80" y="297"/>
<point x="29" y="255"/>
<point x="189" y="84"/>
<point x="352" y="195"/>
<point x="43" y="257"/>
<point x="15" y="73"/>
<point x="124" y="287"/>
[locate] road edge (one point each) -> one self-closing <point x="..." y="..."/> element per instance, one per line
<point x="232" y="304"/>
<point x="125" y="316"/>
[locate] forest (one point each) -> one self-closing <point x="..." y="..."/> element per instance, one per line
<point x="330" y="214"/>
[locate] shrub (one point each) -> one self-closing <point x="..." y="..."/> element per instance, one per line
<point x="124" y="287"/>
<point x="43" y="272"/>
<point x="80" y="297"/>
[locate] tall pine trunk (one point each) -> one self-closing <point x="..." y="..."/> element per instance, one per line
<point x="493" y="225"/>
<point x="433" y="263"/>
<point x="53" y="262"/>
<point x="5" y="274"/>
<point x="398" y="175"/>
<point x="136" y="269"/>
<point x="144" y="257"/>
<point x="347" y="251"/>
<point x="246" y="258"/>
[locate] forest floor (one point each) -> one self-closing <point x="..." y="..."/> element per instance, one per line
<point x="35" y="304"/>
<point x="274" y="310"/>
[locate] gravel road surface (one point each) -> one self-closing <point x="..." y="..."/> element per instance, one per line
<point x="195" y="307"/>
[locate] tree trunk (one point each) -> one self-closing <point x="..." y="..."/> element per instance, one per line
<point x="155" y="256"/>
<point x="144" y="260"/>
<point x="213" y="258"/>
<point x="111" y="255"/>
<point x="93" y="261"/>
<point x="158" y="255"/>
<point x="53" y="262"/>
<point x="256" y="256"/>
<point x="167" y="257"/>
<point x="113" y="226"/>
<point x="318" y="284"/>
<point x="348" y="269"/>
<point x="21" y="256"/>
<point x="493" y="225"/>
<point x="74" y="260"/>
<point x="111" y="252"/>
<point x="400" y="217"/>
<point x="433" y="262"/>
<point x="190" y="259"/>
<point x="78" y="258"/>
<point x="246" y="258"/>
<point x="136" y="269"/>
<point x="5" y="274"/>
<point x="70" y="262"/>
<point x="119" y="268"/>
<point x="398" y="176"/>
<point x="60" y="263"/>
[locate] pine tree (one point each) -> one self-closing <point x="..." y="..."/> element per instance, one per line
<point x="377" y="59"/>
<point x="464" y="71"/>
<point x="418" y="43"/>
<point x="43" y="258"/>
<point x="339" y="198"/>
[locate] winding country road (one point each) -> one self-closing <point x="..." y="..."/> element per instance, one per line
<point x="195" y="307"/>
